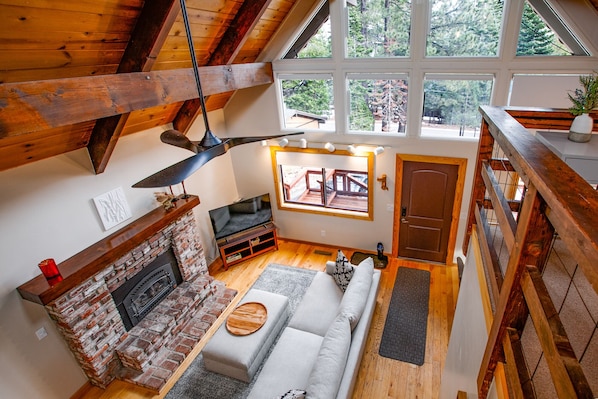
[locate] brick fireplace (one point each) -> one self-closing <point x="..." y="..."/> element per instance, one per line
<point x="85" y="313"/>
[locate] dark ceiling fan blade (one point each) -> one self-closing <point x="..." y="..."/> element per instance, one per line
<point x="208" y="148"/>
<point x="178" y="172"/>
<point x="245" y="140"/>
<point x="178" y="139"/>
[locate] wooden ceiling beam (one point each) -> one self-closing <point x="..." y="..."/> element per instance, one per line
<point x="33" y="106"/>
<point x="229" y="46"/>
<point x="150" y="33"/>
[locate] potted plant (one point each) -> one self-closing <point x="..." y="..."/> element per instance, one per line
<point x="584" y="100"/>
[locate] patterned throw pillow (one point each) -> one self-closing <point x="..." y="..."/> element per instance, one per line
<point x="293" y="394"/>
<point x="343" y="271"/>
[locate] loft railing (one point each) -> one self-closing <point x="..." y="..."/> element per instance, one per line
<point x="533" y="214"/>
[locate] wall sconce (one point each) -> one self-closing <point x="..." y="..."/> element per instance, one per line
<point x="303" y="143"/>
<point x="330" y="147"/>
<point x="378" y="150"/>
<point x="283" y="142"/>
<point x="382" y="180"/>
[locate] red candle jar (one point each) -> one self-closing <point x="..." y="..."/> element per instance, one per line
<point x="50" y="271"/>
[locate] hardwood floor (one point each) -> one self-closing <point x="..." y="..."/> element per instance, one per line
<point x="378" y="377"/>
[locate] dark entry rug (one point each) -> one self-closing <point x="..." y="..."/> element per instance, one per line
<point x="404" y="335"/>
<point x="199" y="383"/>
<point x="357" y="257"/>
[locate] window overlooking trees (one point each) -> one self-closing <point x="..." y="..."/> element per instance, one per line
<point x="377" y="103"/>
<point x="451" y="105"/>
<point x="464" y="28"/>
<point x="308" y="101"/>
<point x="315" y="40"/>
<point x="379" y="28"/>
<point x="319" y="45"/>
<point x="433" y="62"/>
<point x="536" y="37"/>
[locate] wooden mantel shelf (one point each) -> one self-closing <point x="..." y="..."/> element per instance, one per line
<point x="86" y="263"/>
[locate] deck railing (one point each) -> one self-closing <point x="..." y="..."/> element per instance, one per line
<point x="527" y="208"/>
<point x="335" y="182"/>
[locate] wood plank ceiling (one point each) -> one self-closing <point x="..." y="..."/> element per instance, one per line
<point x="77" y="74"/>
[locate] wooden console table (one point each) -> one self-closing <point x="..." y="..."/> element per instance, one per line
<point x="246" y="245"/>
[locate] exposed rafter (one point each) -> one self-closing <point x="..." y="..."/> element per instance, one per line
<point x="154" y="23"/>
<point x="34" y="106"/>
<point x="224" y="54"/>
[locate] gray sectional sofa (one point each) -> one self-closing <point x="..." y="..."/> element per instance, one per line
<point x="321" y="348"/>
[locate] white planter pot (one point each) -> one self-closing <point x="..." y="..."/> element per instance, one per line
<point x="581" y="128"/>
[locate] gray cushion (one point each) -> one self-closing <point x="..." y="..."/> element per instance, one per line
<point x="319" y="305"/>
<point x="328" y="370"/>
<point x="357" y="291"/>
<point x="289" y="364"/>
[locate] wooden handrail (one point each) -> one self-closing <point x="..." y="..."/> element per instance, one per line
<point x="555" y="200"/>
<point x="571" y="200"/>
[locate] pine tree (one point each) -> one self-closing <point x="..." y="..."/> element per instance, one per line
<point x="536" y="38"/>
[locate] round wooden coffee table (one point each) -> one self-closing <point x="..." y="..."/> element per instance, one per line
<point x="247" y="318"/>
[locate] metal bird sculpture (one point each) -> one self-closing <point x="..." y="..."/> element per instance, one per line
<point x="208" y="148"/>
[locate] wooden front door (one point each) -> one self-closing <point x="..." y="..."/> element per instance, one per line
<point x="426" y="209"/>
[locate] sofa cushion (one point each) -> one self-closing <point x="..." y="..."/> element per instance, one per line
<point x="289" y="364"/>
<point x="356" y="295"/>
<point x="344" y="270"/>
<point x="329" y="367"/>
<point x="319" y="305"/>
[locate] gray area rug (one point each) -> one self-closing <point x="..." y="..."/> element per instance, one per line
<point x="404" y="335"/>
<point x="199" y="383"/>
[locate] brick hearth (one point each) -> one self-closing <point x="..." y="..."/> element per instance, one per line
<point x="150" y="352"/>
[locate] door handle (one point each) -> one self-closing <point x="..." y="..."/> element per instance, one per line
<point x="404" y="214"/>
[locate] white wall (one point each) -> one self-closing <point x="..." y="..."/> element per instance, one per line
<point x="468" y="337"/>
<point x="256" y="108"/>
<point x="47" y="211"/>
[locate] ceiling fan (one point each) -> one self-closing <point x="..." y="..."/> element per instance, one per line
<point x="206" y="149"/>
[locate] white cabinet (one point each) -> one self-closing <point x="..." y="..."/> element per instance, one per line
<point x="581" y="157"/>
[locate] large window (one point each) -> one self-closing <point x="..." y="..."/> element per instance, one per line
<point x="404" y="68"/>
<point x="451" y="105"/>
<point x="464" y="28"/>
<point x="317" y="181"/>
<point x="308" y="102"/>
<point x="543" y="32"/>
<point x="379" y="28"/>
<point x="377" y="103"/>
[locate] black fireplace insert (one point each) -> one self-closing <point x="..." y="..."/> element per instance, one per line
<point x="145" y="290"/>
